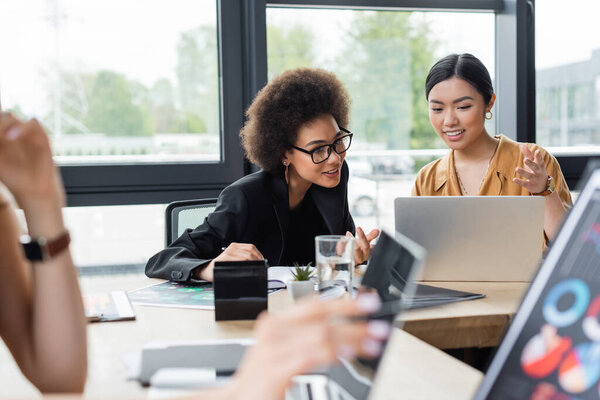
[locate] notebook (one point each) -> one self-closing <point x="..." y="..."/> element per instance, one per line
<point x="198" y="296"/>
<point x="110" y="306"/>
<point x="479" y="238"/>
<point x="552" y="348"/>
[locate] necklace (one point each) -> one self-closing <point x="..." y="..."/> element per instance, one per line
<point x="462" y="186"/>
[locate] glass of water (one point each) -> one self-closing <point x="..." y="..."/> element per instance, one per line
<point x="335" y="264"/>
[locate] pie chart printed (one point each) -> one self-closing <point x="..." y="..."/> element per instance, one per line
<point x="590" y="324"/>
<point x="563" y="318"/>
<point x="581" y="368"/>
<point x="544" y="352"/>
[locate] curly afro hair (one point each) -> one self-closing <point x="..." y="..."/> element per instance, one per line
<point x="279" y="110"/>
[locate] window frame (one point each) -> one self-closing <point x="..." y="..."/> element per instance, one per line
<point x="242" y="45"/>
<point x="512" y="58"/>
<point x="147" y="183"/>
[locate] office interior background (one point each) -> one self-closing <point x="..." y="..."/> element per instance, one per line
<point x="143" y="100"/>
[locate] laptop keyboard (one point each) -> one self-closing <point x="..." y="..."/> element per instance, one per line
<point x="316" y="387"/>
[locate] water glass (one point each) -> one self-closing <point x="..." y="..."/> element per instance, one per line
<point x="335" y="264"/>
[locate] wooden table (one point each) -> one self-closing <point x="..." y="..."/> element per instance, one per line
<point x="473" y="323"/>
<point x="412" y="369"/>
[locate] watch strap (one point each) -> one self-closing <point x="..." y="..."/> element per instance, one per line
<point x="550" y="186"/>
<point x="59" y="244"/>
<point x="42" y="249"/>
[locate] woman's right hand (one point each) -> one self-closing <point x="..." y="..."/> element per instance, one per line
<point x="233" y="252"/>
<point x="308" y="335"/>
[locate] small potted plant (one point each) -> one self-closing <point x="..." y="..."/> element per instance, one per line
<point x="302" y="285"/>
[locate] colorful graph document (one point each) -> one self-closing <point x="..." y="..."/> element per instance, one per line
<point x="173" y="294"/>
<point x="178" y="295"/>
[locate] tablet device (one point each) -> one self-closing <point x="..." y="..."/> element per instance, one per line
<point x="552" y="348"/>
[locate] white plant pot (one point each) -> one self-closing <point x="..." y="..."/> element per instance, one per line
<point x="299" y="289"/>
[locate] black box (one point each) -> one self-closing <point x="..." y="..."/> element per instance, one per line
<point x="240" y="289"/>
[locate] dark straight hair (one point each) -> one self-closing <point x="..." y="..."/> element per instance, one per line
<point x="464" y="66"/>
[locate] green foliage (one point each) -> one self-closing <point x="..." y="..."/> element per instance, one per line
<point x="193" y="123"/>
<point x="289" y="48"/>
<point x="197" y="80"/>
<point x="111" y="107"/>
<point x="391" y="54"/>
<point x="384" y="61"/>
<point x="302" y="273"/>
<point x="107" y="102"/>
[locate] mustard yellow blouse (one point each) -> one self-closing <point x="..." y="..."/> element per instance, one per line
<point x="438" y="178"/>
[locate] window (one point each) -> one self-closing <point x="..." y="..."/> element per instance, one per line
<point x="134" y="94"/>
<point x="383" y="58"/>
<point x="567" y="76"/>
<point x="115" y="235"/>
<point x="115" y="82"/>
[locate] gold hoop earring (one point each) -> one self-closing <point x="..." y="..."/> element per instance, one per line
<point x="490" y="116"/>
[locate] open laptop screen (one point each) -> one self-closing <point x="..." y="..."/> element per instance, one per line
<point x="552" y="349"/>
<point x="393" y="266"/>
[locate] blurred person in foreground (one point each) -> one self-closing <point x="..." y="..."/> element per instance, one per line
<point x="300" y="339"/>
<point x="41" y="310"/>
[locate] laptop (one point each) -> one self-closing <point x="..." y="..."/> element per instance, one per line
<point x="475" y="238"/>
<point x="395" y="262"/>
<point x="552" y="348"/>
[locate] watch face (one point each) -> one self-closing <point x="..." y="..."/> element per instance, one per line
<point x="33" y="251"/>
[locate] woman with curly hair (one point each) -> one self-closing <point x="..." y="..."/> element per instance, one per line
<point x="296" y="132"/>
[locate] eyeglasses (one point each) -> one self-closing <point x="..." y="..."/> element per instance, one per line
<point x="322" y="153"/>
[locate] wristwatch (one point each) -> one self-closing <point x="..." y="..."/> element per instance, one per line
<point x="550" y="187"/>
<point x="43" y="249"/>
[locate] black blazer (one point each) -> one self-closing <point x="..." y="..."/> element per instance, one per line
<point x="254" y="209"/>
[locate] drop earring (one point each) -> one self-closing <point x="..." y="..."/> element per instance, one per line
<point x="490" y="115"/>
<point x="285" y="163"/>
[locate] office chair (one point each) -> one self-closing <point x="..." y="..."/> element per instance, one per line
<point x="184" y="214"/>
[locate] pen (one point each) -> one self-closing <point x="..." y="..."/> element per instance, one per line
<point x="93" y="318"/>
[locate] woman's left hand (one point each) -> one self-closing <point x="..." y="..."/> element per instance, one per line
<point x="26" y="166"/>
<point x="535" y="176"/>
<point x="362" y="248"/>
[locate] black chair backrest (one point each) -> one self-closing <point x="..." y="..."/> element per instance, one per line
<point x="181" y="215"/>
